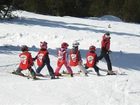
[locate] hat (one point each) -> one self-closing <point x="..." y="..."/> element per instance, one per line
<point x="107" y="33"/>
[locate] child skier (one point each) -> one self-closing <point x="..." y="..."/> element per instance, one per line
<point x="75" y="58"/>
<point x="105" y="50"/>
<point x="91" y="59"/>
<point x="43" y="59"/>
<point x="26" y="62"/>
<point x="62" y="60"/>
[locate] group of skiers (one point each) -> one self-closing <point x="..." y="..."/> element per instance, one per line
<point x="42" y="59"/>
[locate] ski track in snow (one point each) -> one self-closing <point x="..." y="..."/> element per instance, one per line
<point x="69" y="91"/>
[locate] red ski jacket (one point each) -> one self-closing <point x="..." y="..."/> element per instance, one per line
<point x="91" y="59"/>
<point x="75" y="57"/>
<point x="62" y="55"/>
<point x="41" y="56"/>
<point x="105" y="43"/>
<point x="26" y="60"/>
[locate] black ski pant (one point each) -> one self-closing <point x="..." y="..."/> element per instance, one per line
<point x="96" y="68"/>
<point x="105" y="55"/>
<point x="50" y="69"/>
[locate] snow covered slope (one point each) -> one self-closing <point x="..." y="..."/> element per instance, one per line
<point x="32" y="28"/>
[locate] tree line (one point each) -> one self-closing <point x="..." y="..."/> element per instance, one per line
<point x="127" y="10"/>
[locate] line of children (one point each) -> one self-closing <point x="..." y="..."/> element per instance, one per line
<point x="43" y="59"/>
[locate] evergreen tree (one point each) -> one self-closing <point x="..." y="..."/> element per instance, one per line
<point x="55" y="7"/>
<point x="128" y="10"/>
<point x="97" y="8"/>
<point x="131" y="10"/>
<point x="6" y="9"/>
<point x="18" y="4"/>
<point x="115" y="7"/>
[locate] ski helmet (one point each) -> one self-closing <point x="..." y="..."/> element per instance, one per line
<point x="75" y="44"/>
<point x="24" y="48"/>
<point x="43" y="45"/>
<point x="107" y="33"/>
<point x="64" y="45"/>
<point x="92" y="48"/>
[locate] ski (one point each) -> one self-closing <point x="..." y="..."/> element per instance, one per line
<point x="46" y="76"/>
<point x="41" y="75"/>
<point x="114" y="72"/>
<point x="23" y="75"/>
<point x="74" y="74"/>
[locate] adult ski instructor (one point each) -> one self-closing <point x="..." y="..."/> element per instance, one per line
<point x="105" y="50"/>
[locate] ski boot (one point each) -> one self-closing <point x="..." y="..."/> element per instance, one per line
<point x="53" y="77"/>
<point x="18" y="73"/>
<point x="110" y="73"/>
<point x="98" y="74"/>
<point x="86" y="74"/>
<point x="71" y="75"/>
<point x="35" y="78"/>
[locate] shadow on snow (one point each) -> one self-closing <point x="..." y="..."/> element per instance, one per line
<point x="119" y="59"/>
<point x="60" y="24"/>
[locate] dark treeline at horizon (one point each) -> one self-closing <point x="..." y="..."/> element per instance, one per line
<point x="127" y="10"/>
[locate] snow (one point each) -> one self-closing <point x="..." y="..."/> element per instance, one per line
<point x="110" y="18"/>
<point x="32" y="28"/>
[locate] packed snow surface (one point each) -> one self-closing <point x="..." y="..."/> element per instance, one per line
<point x="29" y="29"/>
